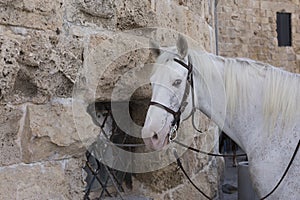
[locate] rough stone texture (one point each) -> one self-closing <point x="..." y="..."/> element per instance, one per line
<point x="34" y="14"/>
<point x="45" y="43"/>
<point x="37" y="65"/>
<point x="8" y="65"/>
<point x="248" y="29"/>
<point x="135" y="14"/>
<point x="203" y="169"/>
<point x="172" y="177"/>
<point x="193" y="18"/>
<point x="50" y="132"/>
<point x="189" y="191"/>
<point x="9" y="128"/>
<point x="46" y="180"/>
<point x="96" y="14"/>
<point x="111" y="14"/>
<point x="43" y="46"/>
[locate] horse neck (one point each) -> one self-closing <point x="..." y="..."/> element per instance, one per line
<point x="212" y="97"/>
<point x="267" y="89"/>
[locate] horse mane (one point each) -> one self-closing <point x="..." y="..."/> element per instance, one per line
<point x="280" y="88"/>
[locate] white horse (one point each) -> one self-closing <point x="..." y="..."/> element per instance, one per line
<point x="257" y="105"/>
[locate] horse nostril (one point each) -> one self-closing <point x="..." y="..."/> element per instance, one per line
<point x="155" y="136"/>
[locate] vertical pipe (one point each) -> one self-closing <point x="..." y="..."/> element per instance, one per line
<point x="216" y="27"/>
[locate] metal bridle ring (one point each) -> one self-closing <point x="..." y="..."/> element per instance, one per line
<point x="173" y="133"/>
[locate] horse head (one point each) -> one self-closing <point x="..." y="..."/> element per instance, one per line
<point x="171" y="100"/>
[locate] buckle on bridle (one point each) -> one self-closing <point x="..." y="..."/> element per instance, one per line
<point x="173" y="133"/>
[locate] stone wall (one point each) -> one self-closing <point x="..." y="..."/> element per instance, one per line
<point x="248" y="29"/>
<point x="45" y="46"/>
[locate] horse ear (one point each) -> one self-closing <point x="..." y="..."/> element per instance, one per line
<point x="155" y="47"/>
<point x="182" y="46"/>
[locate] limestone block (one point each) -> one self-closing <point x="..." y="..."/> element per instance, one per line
<point x="122" y="60"/>
<point x="52" y="53"/>
<point x="38" y="65"/>
<point x="101" y="9"/>
<point x="9" y="67"/>
<point x="96" y="14"/>
<point x="207" y="179"/>
<point x="187" y="191"/>
<point x="70" y="57"/>
<point x="113" y="58"/>
<point x="135" y="14"/>
<point x="194" y="23"/>
<point x="194" y="164"/>
<point x="200" y="7"/>
<point x="34" y="14"/>
<point x="278" y="6"/>
<point x="51" y="133"/>
<point x="9" y="128"/>
<point x="121" y="68"/>
<point x="172" y="178"/>
<point x="46" y="180"/>
<point x="111" y="14"/>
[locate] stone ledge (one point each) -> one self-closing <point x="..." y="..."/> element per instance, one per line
<point x="50" y="180"/>
<point x="32" y="14"/>
<point x="50" y="132"/>
<point x="9" y="128"/>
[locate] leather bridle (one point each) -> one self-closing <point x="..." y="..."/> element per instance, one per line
<point x="177" y="114"/>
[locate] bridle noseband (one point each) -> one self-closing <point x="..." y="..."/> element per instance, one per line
<point x="177" y="114"/>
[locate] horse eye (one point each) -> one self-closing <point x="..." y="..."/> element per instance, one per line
<point x="177" y="82"/>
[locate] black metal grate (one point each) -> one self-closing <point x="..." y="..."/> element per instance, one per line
<point x="101" y="178"/>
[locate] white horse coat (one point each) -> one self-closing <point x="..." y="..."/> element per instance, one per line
<point x="255" y="104"/>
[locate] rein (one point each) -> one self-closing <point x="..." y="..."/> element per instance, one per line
<point x="207" y="153"/>
<point x="222" y="155"/>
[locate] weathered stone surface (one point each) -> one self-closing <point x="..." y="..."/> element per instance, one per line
<point x="50" y="132"/>
<point x="43" y="46"/>
<point x="171" y="178"/>
<point x="110" y="58"/>
<point x="196" y="165"/>
<point x="46" y="180"/>
<point x="248" y="29"/>
<point x="196" y="23"/>
<point x="96" y="14"/>
<point x="8" y="64"/>
<point x="38" y="65"/>
<point x="9" y="127"/>
<point x="121" y="66"/>
<point x="135" y="14"/>
<point x="111" y="14"/>
<point x="32" y="14"/>
<point x="101" y="9"/>
<point x="187" y="191"/>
